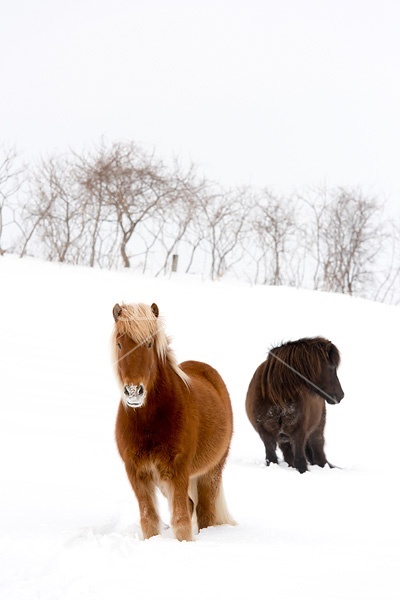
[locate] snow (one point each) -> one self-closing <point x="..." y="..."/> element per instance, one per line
<point x="69" y="522"/>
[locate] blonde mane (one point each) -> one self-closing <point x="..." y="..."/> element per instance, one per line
<point x="140" y="323"/>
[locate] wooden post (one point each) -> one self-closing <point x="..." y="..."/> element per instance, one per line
<point x="174" y="263"/>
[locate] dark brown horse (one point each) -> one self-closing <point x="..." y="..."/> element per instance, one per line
<point x="174" y="425"/>
<point x="286" y="398"/>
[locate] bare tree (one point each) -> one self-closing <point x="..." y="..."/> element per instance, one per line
<point x="220" y="225"/>
<point x="120" y="205"/>
<point x="175" y="218"/>
<point x="275" y="242"/>
<point x="315" y="209"/>
<point x="53" y="212"/>
<point x="388" y="274"/>
<point x="94" y="173"/>
<point x="345" y="237"/>
<point x="109" y="205"/>
<point x="11" y="172"/>
<point x="136" y="186"/>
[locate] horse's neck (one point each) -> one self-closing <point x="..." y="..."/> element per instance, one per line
<point x="165" y="377"/>
<point x="162" y="401"/>
<point x="163" y="382"/>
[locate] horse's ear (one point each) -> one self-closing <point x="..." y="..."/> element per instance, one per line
<point x="155" y="310"/>
<point x="333" y="354"/>
<point x="329" y="349"/>
<point x="117" y="310"/>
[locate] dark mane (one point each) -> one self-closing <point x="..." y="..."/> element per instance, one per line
<point x="296" y="365"/>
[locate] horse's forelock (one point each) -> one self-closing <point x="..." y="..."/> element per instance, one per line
<point x="139" y="322"/>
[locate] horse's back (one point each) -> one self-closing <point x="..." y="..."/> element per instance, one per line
<point x="210" y="396"/>
<point x="200" y="372"/>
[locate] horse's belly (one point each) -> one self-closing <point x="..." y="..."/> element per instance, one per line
<point x="201" y="467"/>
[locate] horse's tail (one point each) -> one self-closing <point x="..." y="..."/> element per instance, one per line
<point x="223" y="516"/>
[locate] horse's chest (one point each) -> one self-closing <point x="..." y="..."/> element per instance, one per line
<point x="146" y="445"/>
<point x="146" y="442"/>
<point x="151" y="458"/>
<point x="282" y="418"/>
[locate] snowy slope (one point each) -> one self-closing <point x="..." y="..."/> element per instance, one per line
<point x="69" y="523"/>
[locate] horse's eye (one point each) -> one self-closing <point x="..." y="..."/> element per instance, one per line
<point x="119" y="345"/>
<point x="149" y="345"/>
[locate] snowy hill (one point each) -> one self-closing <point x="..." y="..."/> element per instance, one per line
<point x="69" y="522"/>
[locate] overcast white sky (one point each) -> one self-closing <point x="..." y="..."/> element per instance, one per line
<point x="281" y="93"/>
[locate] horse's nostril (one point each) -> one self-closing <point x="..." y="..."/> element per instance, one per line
<point x="131" y="391"/>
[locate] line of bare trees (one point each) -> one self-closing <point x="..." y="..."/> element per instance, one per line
<point x="119" y="206"/>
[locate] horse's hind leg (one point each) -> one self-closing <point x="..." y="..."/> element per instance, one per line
<point x="207" y="488"/>
<point x="211" y="506"/>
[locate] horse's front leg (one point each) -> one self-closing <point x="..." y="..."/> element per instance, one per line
<point x="315" y="451"/>
<point x="144" y="488"/>
<point x="315" y="444"/>
<point x="181" y="520"/>
<point x="269" y="441"/>
<point x="299" y="452"/>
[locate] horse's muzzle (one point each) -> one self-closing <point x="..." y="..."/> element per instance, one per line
<point x="335" y="399"/>
<point x="134" y="395"/>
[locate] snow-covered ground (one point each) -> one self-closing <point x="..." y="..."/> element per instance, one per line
<point x="69" y="523"/>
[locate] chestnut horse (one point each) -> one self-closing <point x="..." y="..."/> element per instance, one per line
<point x="285" y="401"/>
<point x="174" y="425"/>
